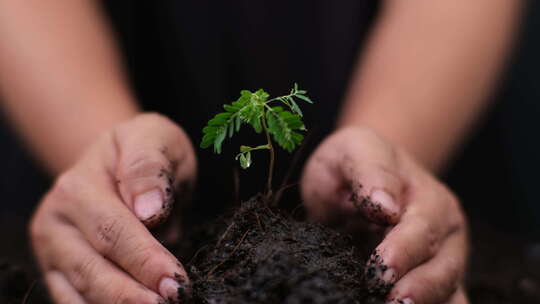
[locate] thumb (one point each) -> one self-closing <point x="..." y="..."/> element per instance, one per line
<point x="354" y="171"/>
<point x="155" y="160"/>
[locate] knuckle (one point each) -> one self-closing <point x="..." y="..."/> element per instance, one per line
<point x="109" y="232"/>
<point x="37" y="231"/>
<point x="453" y="271"/>
<point x="419" y="282"/>
<point x="58" y="293"/>
<point x="124" y="295"/>
<point x="37" y="234"/>
<point x="151" y="120"/>
<point x="144" y="119"/>
<point x="145" y="159"/>
<point x="156" y="118"/>
<point x="65" y="185"/>
<point x="83" y="272"/>
<point x="366" y="134"/>
<point x="142" y="164"/>
<point x="456" y="217"/>
<point x="153" y="117"/>
<point x="146" y="260"/>
<point x="63" y="299"/>
<point x="430" y="236"/>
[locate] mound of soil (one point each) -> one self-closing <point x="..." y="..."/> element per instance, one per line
<point x="259" y="255"/>
<point x="262" y="256"/>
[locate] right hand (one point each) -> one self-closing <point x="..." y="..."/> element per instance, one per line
<point x="90" y="233"/>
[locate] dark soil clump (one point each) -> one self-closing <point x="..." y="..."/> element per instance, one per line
<point x="267" y="257"/>
<point x="263" y="256"/>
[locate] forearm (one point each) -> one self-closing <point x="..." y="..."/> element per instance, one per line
<point x="60" y="76"/>
<point x="427" y="72"/>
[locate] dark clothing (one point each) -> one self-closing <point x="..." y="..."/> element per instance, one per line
<point x="187" y="58"/>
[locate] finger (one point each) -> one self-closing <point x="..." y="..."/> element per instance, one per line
<point x="154" y="160"/>
<point x="61" y="290"/>
<point x="78" y="269"/>
<point x="459" y="297"/>
<point x="437" y="280"/>
<point x="364" y="176"/>
<point x="320" y="179"/>
<point x="430" y="217"/>
<point x="117" y="234"/>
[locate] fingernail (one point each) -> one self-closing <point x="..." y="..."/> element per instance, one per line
<point x="168" y="288"/>
<point x="148" y="204"/>
<point x="388" y="276"/>
<point x="404" y="301"/>
<point x="386" y="200"/>
<point x="381" y="277"/>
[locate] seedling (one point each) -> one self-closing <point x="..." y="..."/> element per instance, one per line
<point x="257" y="110"/>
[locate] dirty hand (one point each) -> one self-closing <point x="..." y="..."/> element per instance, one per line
<point x="90" y="231"/>
<point x="354" y="175"/>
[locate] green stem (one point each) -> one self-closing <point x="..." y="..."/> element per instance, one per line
<point x="261" y="147"/>
<point x="271" y="165"/>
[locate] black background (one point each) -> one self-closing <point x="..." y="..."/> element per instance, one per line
<point x="495" y="174"/>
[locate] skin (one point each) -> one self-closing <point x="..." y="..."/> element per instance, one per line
<point x="405" y="113"/>
<point x="402" y="120"/>
<point x="45" y="77"/>
<point x="357" y="176"/>
<point x="91" y="245"/>
<point x="427" y="72"/>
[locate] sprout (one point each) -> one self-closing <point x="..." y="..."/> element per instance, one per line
<point x="282" y="124"/>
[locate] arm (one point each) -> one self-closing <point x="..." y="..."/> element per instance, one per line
<point x="63" y="88"/>
<point x="60" y="77"/>
<point x="424" y="79"/>
<point x="428" y="70"/>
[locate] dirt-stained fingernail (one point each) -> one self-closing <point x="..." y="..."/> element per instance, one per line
<point x="168" y="288"/>
<point x="386" y="200"/>
<point x="388" y="276"/>
<point x="380" y="278"/>
<point x="148" y="204"/>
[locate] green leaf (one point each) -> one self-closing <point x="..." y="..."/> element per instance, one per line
<point x="248" y="159"/>
<point x="295" y="108"/>
<point x="207" y="141"/>
<point x="225" y="123"/>
<point x="260" y="95"/>
<point x="219" y="119"/>
<point x="282" y="125"/>
<point x="209" y="129"/>
<point x="245" y="97"/>
<point x="238" y="122"/>
<point x="245" y="159"/>
<point x="304" y="97"/>
<point x="230" y="108"/>
<point x="230" y="128"/>
<point x="252" y="108"/>
<point x="220" y="136"/>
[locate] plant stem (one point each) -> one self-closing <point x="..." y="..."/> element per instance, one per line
<point x="271" y="165"/>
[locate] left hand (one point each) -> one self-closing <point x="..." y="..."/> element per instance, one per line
<point x="354" y="175"/>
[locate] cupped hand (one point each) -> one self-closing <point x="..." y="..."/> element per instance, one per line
<point x="90" y="233"/>
<point x="355" y="176"/>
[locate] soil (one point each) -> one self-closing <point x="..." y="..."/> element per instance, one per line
<point x="261" y="255"/>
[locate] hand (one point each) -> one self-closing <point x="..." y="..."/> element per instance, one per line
<point x="355" y="175"/>
<point x="89" y="232"/>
